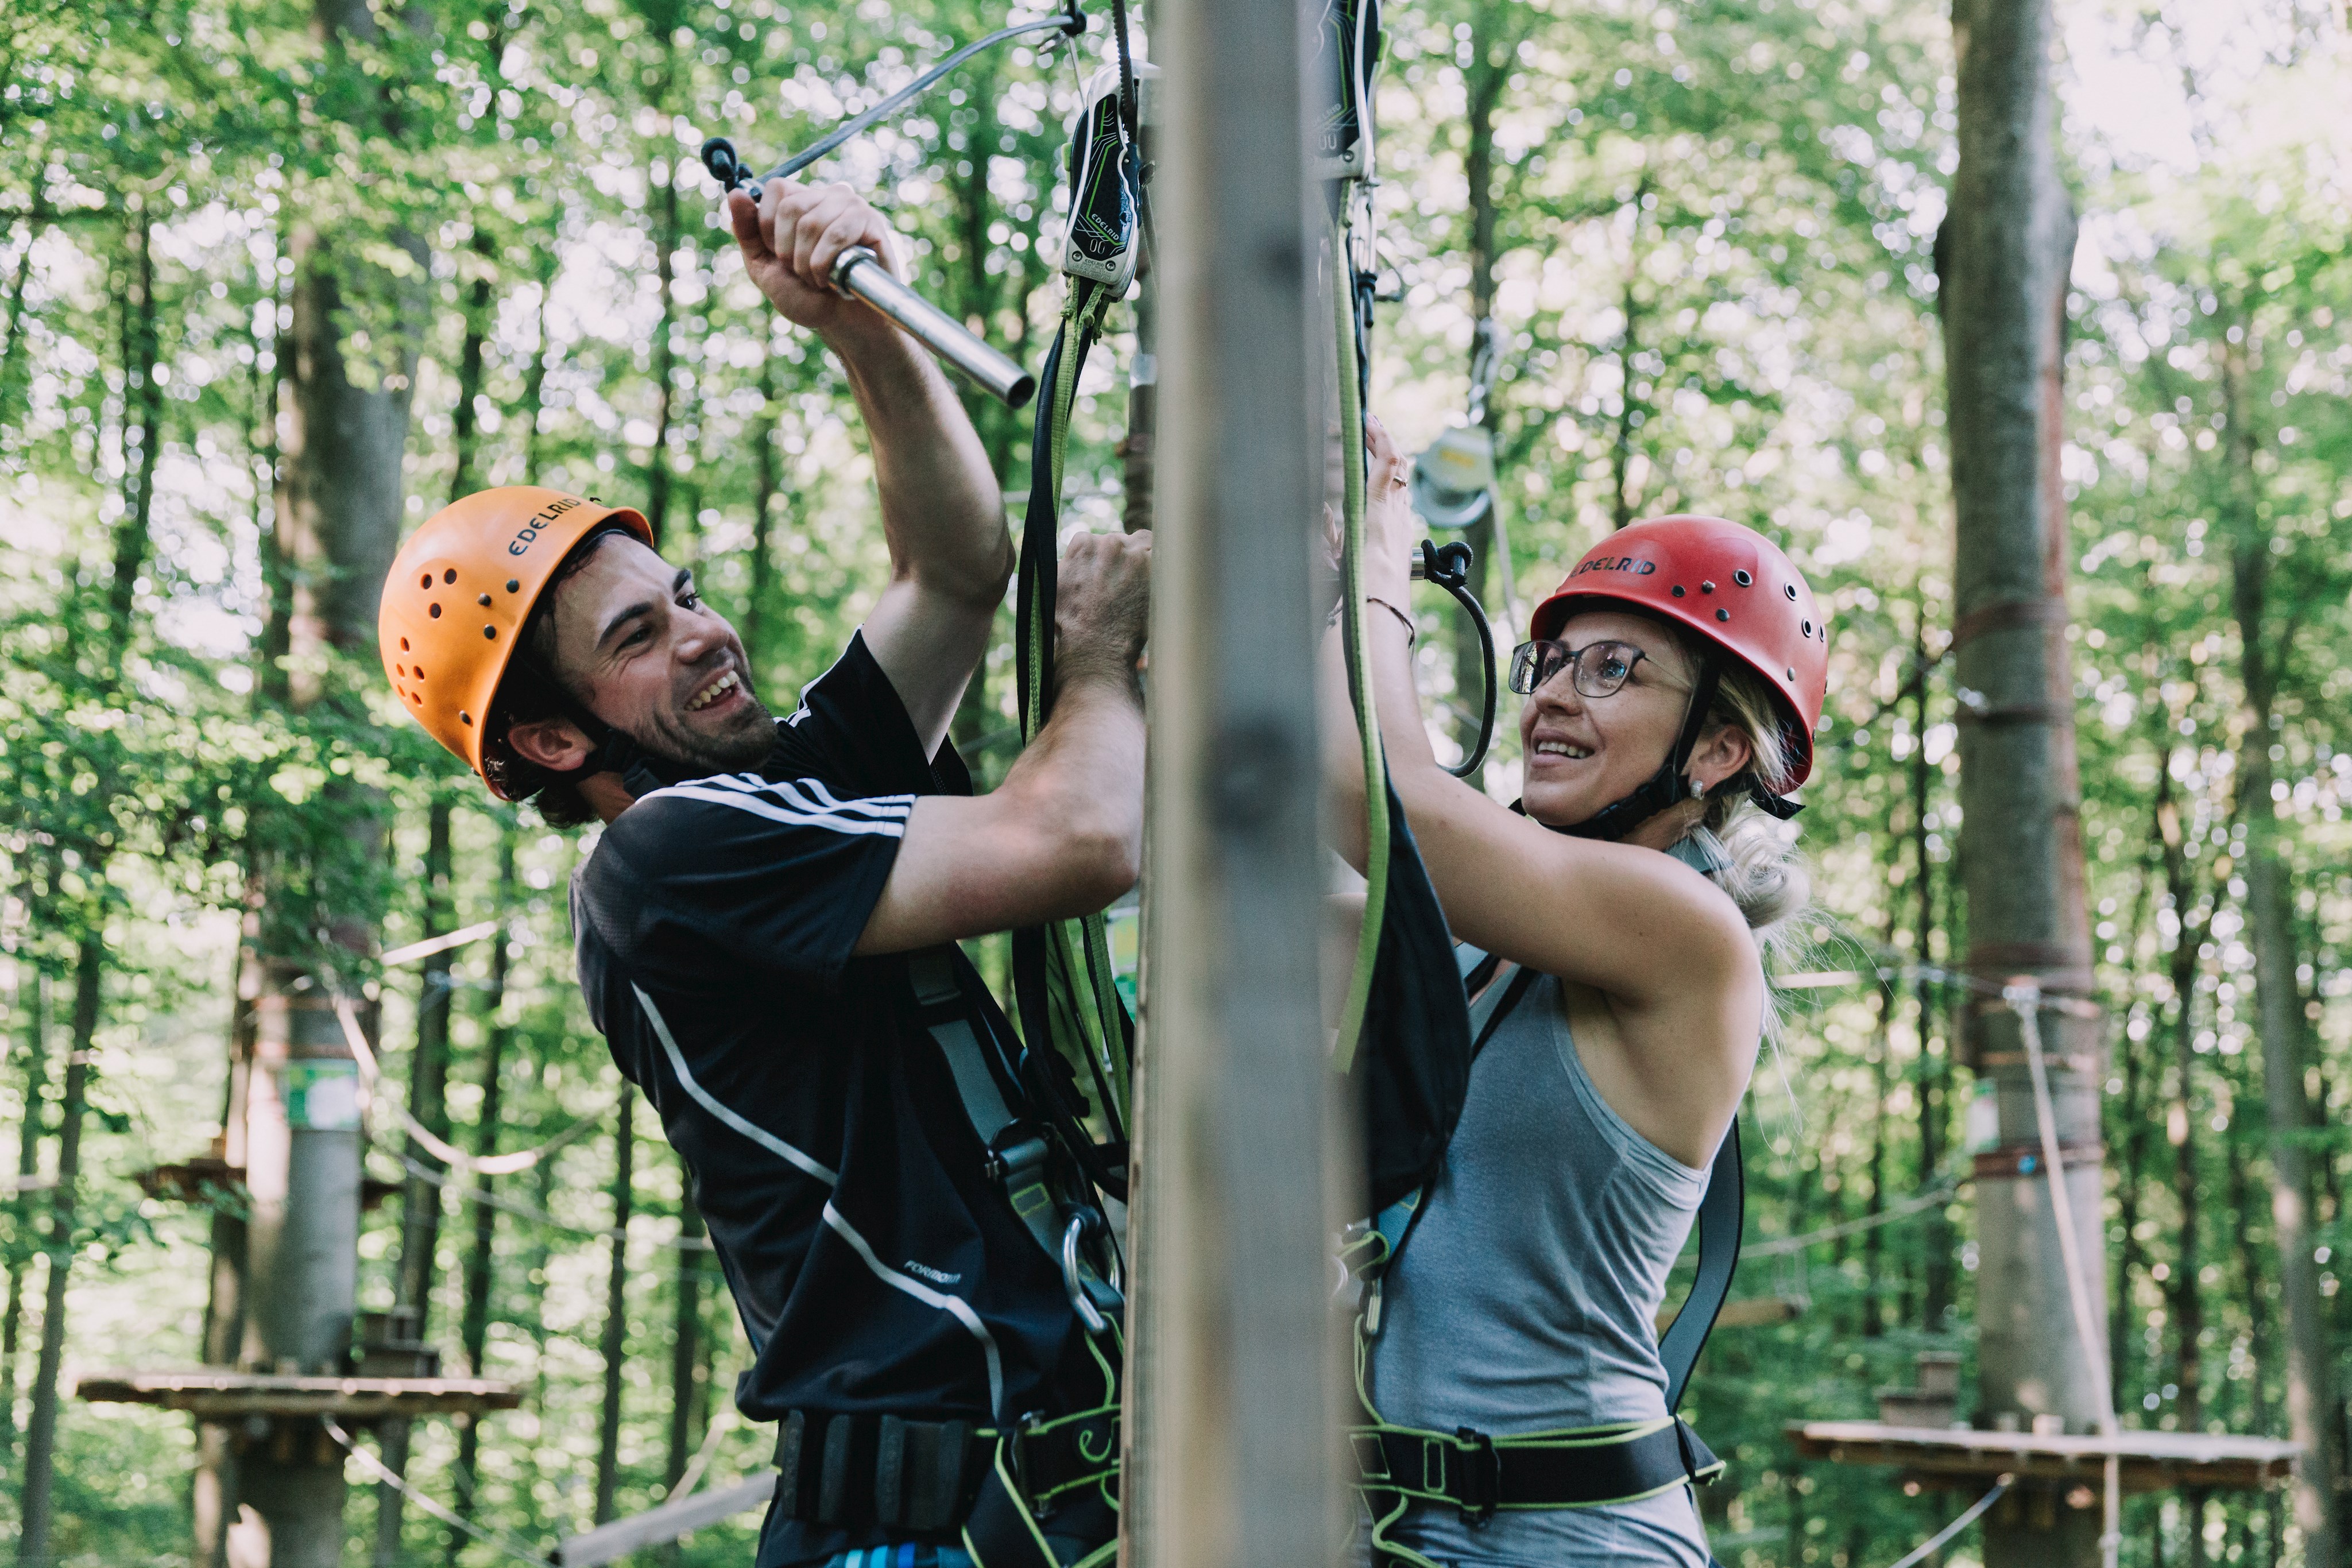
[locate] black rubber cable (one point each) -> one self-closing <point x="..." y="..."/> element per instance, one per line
<point x="1449" y="567"/>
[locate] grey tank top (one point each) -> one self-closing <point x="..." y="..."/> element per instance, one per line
<point x="1525" y="1301"/>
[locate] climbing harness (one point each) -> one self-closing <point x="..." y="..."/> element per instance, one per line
<point x="996" y="1481"/>
<point x="858" y="272"/>
<point x="1480" y="1473"/>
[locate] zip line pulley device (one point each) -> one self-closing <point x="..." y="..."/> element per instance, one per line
<point x="1453" y="480"/>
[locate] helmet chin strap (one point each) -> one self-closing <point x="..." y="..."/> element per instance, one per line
<point x="1666" y="787"/>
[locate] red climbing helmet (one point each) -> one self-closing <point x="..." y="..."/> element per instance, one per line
<point x="1731" y="585"/>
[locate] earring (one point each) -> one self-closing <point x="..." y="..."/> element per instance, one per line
<point x="1697" y="789"/>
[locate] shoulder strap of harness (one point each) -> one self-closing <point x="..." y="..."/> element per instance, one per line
<point x="1019" y="1150"/>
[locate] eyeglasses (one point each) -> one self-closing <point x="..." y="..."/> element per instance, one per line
<point x="1598" y="669"/>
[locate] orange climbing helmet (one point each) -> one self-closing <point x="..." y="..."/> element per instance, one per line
<point x="460" y="592"/>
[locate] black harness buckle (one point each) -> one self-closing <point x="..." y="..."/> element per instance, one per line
<point x="1482" y="1478"/>
<point x="1025" y="1467"/>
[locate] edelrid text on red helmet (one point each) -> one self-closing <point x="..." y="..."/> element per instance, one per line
<point x="1728" y="584"/>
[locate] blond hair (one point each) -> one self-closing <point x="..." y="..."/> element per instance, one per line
<point x="1766" y="877"/>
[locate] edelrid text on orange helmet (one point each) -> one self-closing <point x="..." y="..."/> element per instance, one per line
<point x="460" y="592"/>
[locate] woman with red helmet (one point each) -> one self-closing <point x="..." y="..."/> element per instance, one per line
<point x="1672" y="684"/>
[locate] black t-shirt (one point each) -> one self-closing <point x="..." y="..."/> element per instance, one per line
<point x="875" y="1267"/>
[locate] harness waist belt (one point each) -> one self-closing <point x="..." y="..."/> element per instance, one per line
<point x="1479" y="1474"/>
<point x="850" y="1470"/>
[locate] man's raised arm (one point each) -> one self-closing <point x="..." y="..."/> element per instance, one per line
<point x="942" y="513"/>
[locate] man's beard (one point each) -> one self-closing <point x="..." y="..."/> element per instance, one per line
<point x="742" y="747"/>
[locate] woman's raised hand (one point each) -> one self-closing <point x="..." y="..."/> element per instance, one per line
<point x="1392" y="531"/>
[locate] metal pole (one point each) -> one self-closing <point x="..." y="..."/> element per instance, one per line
<point x="1232" y="1388"/>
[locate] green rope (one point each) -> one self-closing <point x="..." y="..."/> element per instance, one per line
<point x="1359" y="666"/>
<point x="1083" y="1001"/>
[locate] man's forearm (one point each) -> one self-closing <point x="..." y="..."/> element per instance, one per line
<point x="942" y="513"/>
<point x="1084" y="770"/>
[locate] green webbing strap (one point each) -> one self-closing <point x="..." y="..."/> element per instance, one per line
<point x="1079" y="1014"/>
<point x="1359" y="667"/>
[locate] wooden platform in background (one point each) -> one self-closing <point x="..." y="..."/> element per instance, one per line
<point x="2152" y="1461"/>
<point x="216" y="1394"/>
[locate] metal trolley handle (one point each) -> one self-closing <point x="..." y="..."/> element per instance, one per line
<point x="860" y="273"/>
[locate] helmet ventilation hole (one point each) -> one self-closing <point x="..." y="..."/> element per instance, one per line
<point x="450" y="575"/>
<point x="514" y="587"/>
<point x="418" y="675"/>
<point x="484" y="601"/>
<point x="435" y="610"/>
<point x="1723" y="615"/>
<point x="465" y="718"/>
<point x="1678" y="590"/>
<point x="1792" y="674"/>
<point x="1809" y="627"/>
<point x="425" y="581"/>
<point x="403" y="645"/>
<point x="1791" y="590"/>
<point x="1742" y="579"/>
<point x="491" y="632"/>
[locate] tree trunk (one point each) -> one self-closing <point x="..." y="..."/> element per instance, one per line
<point x="616" y="1305"/>
<point x="2311" y="1407"/>
<point x="337" y="530"/>
<point x="31" y="1008"/>
<point x="767" y="455"/>
<point x="1485" y="82"/>
<point x="474" y="1330"/>
<point x="464" y="420"/>
<point x="2186" y="1299"/>
<point x="657" y="474"/>
<point x="685" y="1343"/>
<point x="1935" y="1230"/>
<point x="1629" y="347"/>
<point x="2002" y="258"/>
<point x="420" y="1200"/>
<point x="36" y="221"/>
<point x="1873" y="1241"/>
<point x="140" y="354"/>
<point x="35" y="1506"/>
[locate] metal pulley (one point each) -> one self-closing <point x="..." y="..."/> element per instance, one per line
<point x="1101" y="238"/>
<point x="1453" y="481"/>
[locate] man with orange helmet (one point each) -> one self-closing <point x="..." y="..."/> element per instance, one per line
<point x="767" y="930"/>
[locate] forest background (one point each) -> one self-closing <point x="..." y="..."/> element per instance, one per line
<point x="1706" y="233"/>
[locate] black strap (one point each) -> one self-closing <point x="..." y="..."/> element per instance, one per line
<point x="1020" y="1151"/>
<point x="1479" y="1474"/>
<point x="1722" y="1213"/>
<point x="878" y="1468"/>
<point x="1665" y="787"/>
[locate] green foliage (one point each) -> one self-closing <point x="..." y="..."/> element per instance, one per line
<point x="1711" y="258"/>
